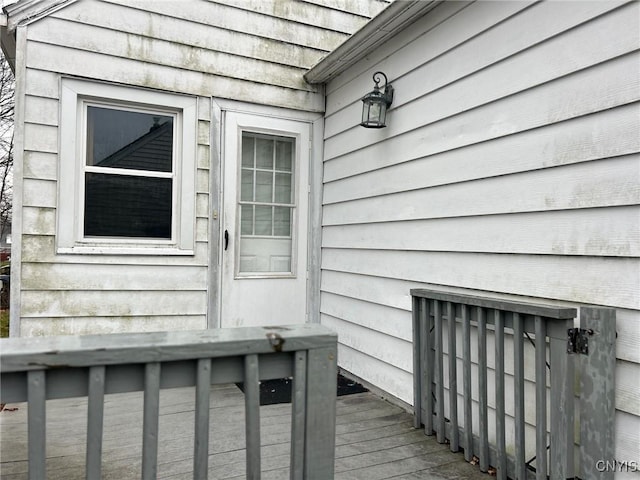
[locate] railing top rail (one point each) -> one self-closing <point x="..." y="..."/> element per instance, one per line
<point x="36" y="353"/>
<point x="548" y="311"/>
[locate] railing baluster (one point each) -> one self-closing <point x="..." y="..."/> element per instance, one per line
<point x="466" y="372"/>
<point x="95" y="421"/>
<point x="562" y="380"/>
<point x="97" y="365"/>
<point x="439" y="375"/>
<point x="37" y="421"/>
<point x="482" y="390"/>
<point x="252" y="415"/>
<point x="201" y="434"/>
<point x="518" y="366"/>
<point x="541" y="398"/>
<point x="416" y="311"/>
<point x="298" y="415"/>
<point x="454" y="441"/>
<point x="501" y="466"/>
<point x="150" y="421"/>
<point x="554" y="448"/>
<point x="427" y="367"/>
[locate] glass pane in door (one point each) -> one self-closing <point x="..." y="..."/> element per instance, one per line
<point x="266" y="204"/>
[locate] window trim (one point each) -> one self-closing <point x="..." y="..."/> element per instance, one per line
<point x="76" y="95"/>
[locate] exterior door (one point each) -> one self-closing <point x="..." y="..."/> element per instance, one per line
<point x="264" y="223"/>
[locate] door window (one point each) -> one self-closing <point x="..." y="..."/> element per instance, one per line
<point x="266" y="204"/>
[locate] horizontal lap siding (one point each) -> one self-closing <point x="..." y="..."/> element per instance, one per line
<point x="73" y="325"/>
<point x="247" y="51"/>
<point x="571" y="278"/>
<point x="510" y="166"/>
<point x="79" y="294"/>
<point x="594" y="232"/>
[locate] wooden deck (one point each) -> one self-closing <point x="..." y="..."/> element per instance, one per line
<point x="375" y="440"/>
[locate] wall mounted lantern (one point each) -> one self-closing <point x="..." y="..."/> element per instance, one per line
<point x="375" y="103"/>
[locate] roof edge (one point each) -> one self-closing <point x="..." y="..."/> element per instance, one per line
<point x="25" y="11"/>
<point x="397" y="16"/>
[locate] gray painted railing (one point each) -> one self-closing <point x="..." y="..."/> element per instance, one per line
<point x="38" y="369"/>
<point x="547" y="329"/>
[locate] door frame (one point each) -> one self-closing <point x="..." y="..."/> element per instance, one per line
<point x="219" y="107"/>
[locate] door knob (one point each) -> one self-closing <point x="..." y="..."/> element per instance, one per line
<point x="226" y="239"/>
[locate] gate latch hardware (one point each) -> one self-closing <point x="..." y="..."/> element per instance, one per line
<point x="578" y="340"/>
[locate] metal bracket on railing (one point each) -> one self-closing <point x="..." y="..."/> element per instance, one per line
<point x="578" y="340"/>
<point x="276" y="341"/>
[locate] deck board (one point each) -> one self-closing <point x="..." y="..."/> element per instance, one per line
<point x="374" y="440"/>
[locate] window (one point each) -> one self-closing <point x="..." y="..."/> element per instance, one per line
<point x="127" y="170"/>
<point x="266" y="203"/>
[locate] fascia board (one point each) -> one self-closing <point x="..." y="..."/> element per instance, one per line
<point x="377" y="31"/>
<point x="27" y="11"/>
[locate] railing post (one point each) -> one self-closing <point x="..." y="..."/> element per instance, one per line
<point x="597" y="393"/>
<point x="322" y="372"/>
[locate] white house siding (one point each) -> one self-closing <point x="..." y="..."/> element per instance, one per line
<point x="510" y="166"/>
<point x="252" y="51"/>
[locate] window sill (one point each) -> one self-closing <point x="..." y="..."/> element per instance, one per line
<point x="122" y="250"/>
<point x="274" y="275"/>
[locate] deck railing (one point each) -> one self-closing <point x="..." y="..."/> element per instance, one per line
<point x="38" y="369"/>
<point x="456" y="375"/>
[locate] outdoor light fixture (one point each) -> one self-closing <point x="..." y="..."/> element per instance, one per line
<point x="375" y="104"/>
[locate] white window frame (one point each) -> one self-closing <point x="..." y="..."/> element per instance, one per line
<point x="76" y="95"/>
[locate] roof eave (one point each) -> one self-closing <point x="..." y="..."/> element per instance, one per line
<point x="19" y="13"/>
<point x="397" y="16"/>
<point x="25" y="11"/>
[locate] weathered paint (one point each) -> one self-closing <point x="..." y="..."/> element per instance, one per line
<point x="46" y="326"/>
<point x="512" y="123"/>
<point x="597" y="388"/>
<point x="177" y="359"/>
<point x="252" y="52"/>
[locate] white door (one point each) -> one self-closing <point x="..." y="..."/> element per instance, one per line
<point x="264" y="223"/>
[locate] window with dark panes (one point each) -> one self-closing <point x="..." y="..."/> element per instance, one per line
<point x="127" y="170"/>
<point x="128" y="173"/>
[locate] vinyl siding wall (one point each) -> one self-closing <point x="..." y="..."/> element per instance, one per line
<point x="252" y="51"/>
<point x="510" y="167"/>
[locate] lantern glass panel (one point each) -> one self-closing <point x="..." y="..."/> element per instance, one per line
<point x="374" y="113"/>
